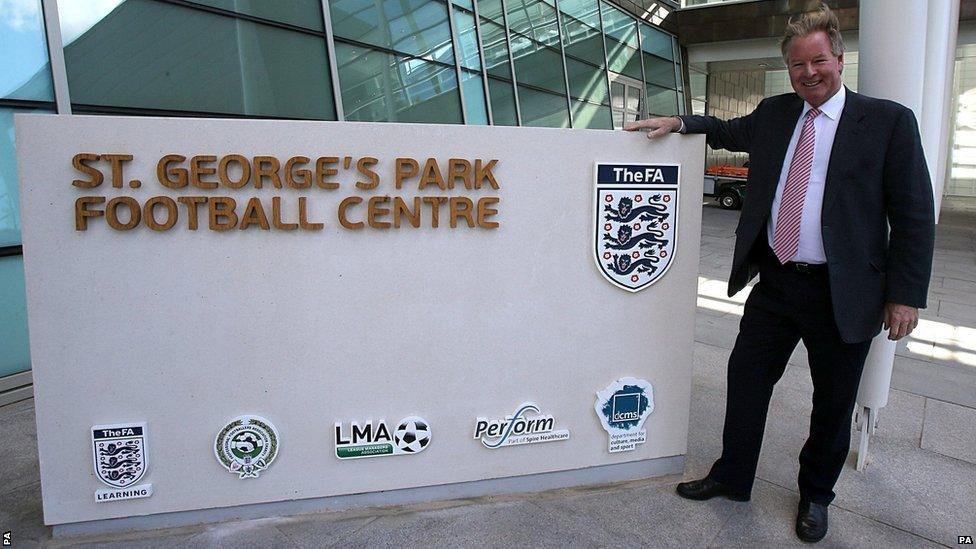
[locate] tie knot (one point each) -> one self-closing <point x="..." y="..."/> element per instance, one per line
<point x="813" y="113"/>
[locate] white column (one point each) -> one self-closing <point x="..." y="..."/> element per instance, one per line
<point x="943" y="27"/>
<point x="891" y="65"/>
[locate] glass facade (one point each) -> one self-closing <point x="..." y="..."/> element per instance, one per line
<point x="546" y="63"/>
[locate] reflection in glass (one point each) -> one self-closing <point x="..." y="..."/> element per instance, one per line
<point x="538" y="65"/>
<point x="587" y="82"/>
<point x="467" y="39"/>
<point x="502" y="103"/>
<point x="491" y="9"/>
<point x="543" y="109"/>
<point x="698" y="82"/>
<point x="24" y="69"/>
<point x="415" y="27"/>
<point x="495" y="46"/>
<point x="658" y="71"/>
<point x="301" y="13"/>
<point x="534" y="19"/>
<point x="380" y="87"/>
<point x="585" y="11"/>
<point x="624" y="59"/>
<point x="474" y="98"/>
<point x="661" y="101"/>
<point x="14" y="351"/>
<point x="9" y="201"/>
<point x="618" y="24"/>
<point x="161" y="56"/>
<point x="588" y="115"/>
<point x="583" y="42"/>
<point x="656" y="42"/>
<point x="618" y="94"/>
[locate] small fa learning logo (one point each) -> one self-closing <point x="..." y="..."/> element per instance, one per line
<point x="119" y="453"/>
<point x="964" y="540"/>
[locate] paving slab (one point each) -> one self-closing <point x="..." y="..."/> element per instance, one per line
<point x="950" y="430"/>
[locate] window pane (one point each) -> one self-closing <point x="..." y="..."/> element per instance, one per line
<point x="415" y="27"/>
<point x="24" y="69"/>
<point x="656" y="42"/>
<point x="467" y="40"/>
<point x="495" y="46"/>
<point x="9" y="201"/>
<point x="587" y="82"/>
<point x="14" y="352"/>
<point x="698" y="82"/>
<point x="618" y="94"/>
<point x="586" y="11"/>
<point x="658" y="71"/>
<point x="492" y="9"/>
<point x="160" y="56"/>
<point x="538" y="65"/>
<point x="502" y="102"/>
<point x="583" y="41"/>
<point x="619" y="25"/>
<point x="380" y="87"/>
<point x="698" y="107"/>
<point x="301" y="13"/>
<point x="534" y="19"/>
<point x="543" y="109"/>
<point x="474" y="98"/>
<point x="588" y="115"/>
<point x="624" y="59"/>
<point x="466" y="4"/>
<point x="661" y="101"/>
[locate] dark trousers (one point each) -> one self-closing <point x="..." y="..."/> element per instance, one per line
<point x="785" y="307"/>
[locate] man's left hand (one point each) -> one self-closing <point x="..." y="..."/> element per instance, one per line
<point x="899" y="320"/>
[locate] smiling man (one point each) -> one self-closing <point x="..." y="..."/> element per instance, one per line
<point x="830" y="171"/>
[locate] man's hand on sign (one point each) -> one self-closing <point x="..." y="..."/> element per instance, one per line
<point x="656" y="127"/>
<point x="899" y="320"/>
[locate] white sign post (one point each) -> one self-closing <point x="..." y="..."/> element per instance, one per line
<point x="329" y="278"/>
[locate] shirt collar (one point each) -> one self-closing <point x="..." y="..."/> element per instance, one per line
<point x="832" y="107"/>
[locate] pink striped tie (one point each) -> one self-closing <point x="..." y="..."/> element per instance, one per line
<point x="786" y="238"/>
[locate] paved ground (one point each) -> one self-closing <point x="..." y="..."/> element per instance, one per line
<point x="919" y="491"/>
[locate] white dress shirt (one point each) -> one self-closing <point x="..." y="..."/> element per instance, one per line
<point x="810" y="249"/>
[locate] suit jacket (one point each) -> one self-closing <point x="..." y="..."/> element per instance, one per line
<point x="876" y="177"/>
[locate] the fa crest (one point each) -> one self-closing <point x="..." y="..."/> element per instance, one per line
<point x="635" y="222"/>
<point x="119" y="451"/>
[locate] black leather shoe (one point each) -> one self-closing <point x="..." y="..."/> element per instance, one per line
<point x="707" y="488"/>
<point x="811" y="521"/>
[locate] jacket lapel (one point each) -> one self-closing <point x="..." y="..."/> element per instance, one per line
<point x="845" y="144"/>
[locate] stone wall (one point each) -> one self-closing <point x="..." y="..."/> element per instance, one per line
<point x="730" y="95"/>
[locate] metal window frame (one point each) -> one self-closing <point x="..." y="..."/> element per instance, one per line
<point x="562" y="52"/>
<point x="55" y="54"/>
<point x="333" y="64"/>
<point x="455" y="40"/>
<point x="484" y="64"/>
<point x="511" y="63"/>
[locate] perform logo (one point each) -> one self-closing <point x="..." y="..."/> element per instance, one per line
<point x="525" y="426"/>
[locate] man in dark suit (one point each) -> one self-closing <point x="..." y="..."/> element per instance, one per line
<point x="839" y="224"/>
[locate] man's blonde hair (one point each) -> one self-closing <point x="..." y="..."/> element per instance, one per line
<point x="809" y="23"/>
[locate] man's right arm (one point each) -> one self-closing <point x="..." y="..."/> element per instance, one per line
<point x="733" y="135"/>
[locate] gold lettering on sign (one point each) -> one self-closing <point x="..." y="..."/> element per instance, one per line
<point x="234" y="172"/>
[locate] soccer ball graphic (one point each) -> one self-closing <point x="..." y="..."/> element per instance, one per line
<point x="412" y="435"/>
